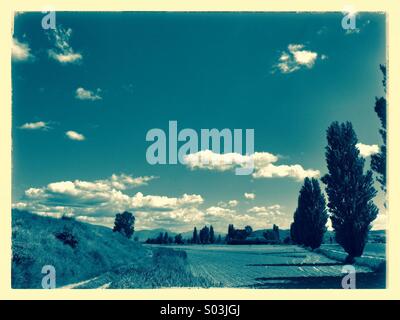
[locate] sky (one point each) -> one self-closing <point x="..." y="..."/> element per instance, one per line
<point x="86" y="93"/>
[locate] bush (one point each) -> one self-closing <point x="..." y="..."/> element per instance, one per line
<point x="66" y="236"/>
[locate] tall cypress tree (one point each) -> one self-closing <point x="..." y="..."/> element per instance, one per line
<point x="195" y="238"/>
<point x="310" y="217"/>
<point x="212" y="235"/>
<point x="378" y="161"/>
<point x="349" y="190"/>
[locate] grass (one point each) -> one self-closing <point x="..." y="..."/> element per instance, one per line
<point x="37" y="241"/>
<point x="81" y="251"/>
<point x="166" y="268"/>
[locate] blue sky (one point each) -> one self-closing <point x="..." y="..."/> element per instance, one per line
<point x="86" y="94"/>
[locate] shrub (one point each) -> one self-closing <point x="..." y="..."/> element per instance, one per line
<point x="67" y="237"/>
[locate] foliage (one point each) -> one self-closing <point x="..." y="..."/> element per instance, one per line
<point x="124" y="224"/>
<point x="310" y="216"/>
<point x="349" y="190"/>
<point x="378" y="161"/>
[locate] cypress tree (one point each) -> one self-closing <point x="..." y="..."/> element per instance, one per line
<point x="310" y="217"/>
<point x="212" y="235"/>
<point x="195" y="238"/>
<point x="349" y="190"/>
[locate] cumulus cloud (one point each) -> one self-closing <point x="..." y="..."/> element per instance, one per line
<point x="63" y="52"/>
<point x="73" y="135"/>
<point x="218" y="211"/>
<point x="295" y="58"/>
<point x="250" y="196"/>
<point x="257" y="217"/>
<point x="93" y="201"/>
<point x="367" y="150"/>
<point x="263" y="163"/>
<point x="20" y="51"/>
<point x="294" y="171"/>
<point x="229" y="204"/>
<point x="40" y="125"/>
<point x="233" y="203"/>
<point x="274" y="210"/>
<point x="83" y="94"/>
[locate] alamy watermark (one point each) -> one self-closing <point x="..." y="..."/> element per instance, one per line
<point x="49" y="280"/>
<point x="349" y="19"/>
<point x="349" y="280"/>
<point x="210" y="139"/>
<point x="49" y="20"/>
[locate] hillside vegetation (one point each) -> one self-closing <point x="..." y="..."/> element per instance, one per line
<point x="91" y="255"/>
<point x="78" y="251"/>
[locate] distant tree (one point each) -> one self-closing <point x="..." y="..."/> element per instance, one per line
<point x="136" y="239"/>
<point x="378" y="161"/>
<point x="275" y="230"/>
<point x="231" y="233"/>
<point x="195" y="238"/>
<point x="212" y="235"/>
<point x="124" y="223"/>
<point x="219" y="239"/>
<point x="349" y="190"/>
<point x="293" y="231"/>
<point x="204" y="235"/>
<point x="248" y="230"/>
<point x="165" y="238"/>
<point x="311" y="215"/>
<point x="178" y="239"/>
<point x="170" y="239"/>
<point x="160" y="238"/>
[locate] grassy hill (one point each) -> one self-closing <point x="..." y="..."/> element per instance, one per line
<point x="92" y="255"/>
<point x="77" y="250"/>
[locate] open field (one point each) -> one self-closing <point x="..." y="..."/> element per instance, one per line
<point x="267" y="266"/>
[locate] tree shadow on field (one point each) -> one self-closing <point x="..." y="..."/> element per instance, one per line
<point x="326" y="264"/>
<point x="366" y="280"/>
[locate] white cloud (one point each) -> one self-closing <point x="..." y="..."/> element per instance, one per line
<point x="93" y="201"/>
<point x="257" y="209"/>
<point x="256" y="217"/>
<point x="63" y="52"/>
<point x="83" y="94"/>
<point x="233" y="203"/>
<point x="263" y="162"/>
<point x="380" y="223"/>
<point x="40" y="125"/>
<point x="140" y="201"/>
<point x="250" y="196"/>
<point x="294" y="171"/>
<point x="73" y="135"/>
<point x="20" y="51"/>
<point x="218" y="211"/>
<point x="367" y="150"/>
<point x="273" y="210"/>
<point x="296" y="58"/>
<point x="98" y="201"/>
